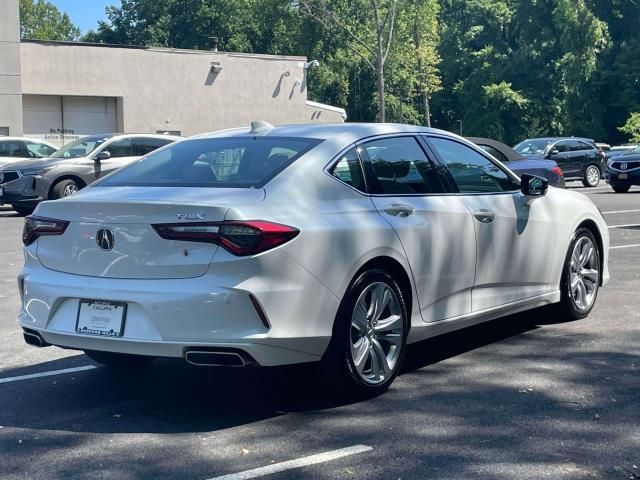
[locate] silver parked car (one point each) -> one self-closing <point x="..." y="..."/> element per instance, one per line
<point x="26" y="183"/>
<point x="15" y="149"/>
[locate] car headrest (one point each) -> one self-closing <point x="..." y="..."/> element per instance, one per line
<point x="199" y="172"/>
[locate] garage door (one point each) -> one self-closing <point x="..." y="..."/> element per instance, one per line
<point x="61" y="119"/>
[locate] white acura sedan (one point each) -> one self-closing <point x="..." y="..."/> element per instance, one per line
<point x="280" y="245"/>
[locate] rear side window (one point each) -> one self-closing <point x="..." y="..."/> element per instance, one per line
<point x="241" y="162"/>
<point x="401" y="167"/>
<point x="13" y="148"/>
<point x="349" y="170"/>
<point x="142" y="146"/>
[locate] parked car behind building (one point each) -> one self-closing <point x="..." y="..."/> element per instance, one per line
<point x="519" y="164"/>
<point x="579" y="158"/>
<point x="15" y="149"/>
<point x="25" y="184"/>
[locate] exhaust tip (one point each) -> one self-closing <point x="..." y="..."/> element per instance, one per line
<point x="218" y="358"/>
<point x="33" y="338"/>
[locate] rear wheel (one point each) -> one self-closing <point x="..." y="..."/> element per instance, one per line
<point x="591" y="176"/>
<point x="119" y="360"/>
<point x="64" y="188"/>
<point x="369" y="338"/>
<point x="23" y="210"/>
<point x="621" y="188"/>
<point x="581" y="276"/>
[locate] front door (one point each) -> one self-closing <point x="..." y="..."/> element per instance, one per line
<point x="514" y="234"/>
<point x="436" y="230"/>
<point x="121" y="153"/>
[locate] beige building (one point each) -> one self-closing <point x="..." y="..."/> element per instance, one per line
<point x="61" y="90"/>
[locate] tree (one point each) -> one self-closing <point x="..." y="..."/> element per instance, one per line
<point x="41" y="20"/>
<point x="376" y="22"/>
<point x="632" y="127"/>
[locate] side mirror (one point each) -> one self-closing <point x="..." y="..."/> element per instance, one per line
<point x="552" y="152"/>
<point x="532" y="186"/>
<point x="103" y="155"/>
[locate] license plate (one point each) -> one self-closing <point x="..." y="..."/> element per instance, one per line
<point x="100" y="317"/>
<point x="623" y="176"/>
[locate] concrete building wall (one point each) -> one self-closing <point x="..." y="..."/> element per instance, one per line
<point x="175" y="90"/>
<point x="10" y="83"/>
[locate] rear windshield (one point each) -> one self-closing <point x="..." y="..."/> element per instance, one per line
<point x="242" y="162"/>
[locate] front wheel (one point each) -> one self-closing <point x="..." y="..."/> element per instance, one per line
<point x="591" y="176"/>
<point x="119" y="360"/>
<point x="64" y="188"/>
<point x="581" y="276"/>
<point x="621" y="188"/>
<point x="369" y="337"/>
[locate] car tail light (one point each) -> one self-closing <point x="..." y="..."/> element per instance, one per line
<point x="35" y="227"/>
<point x="241" y="238"/>
<point x="557" y="171"/>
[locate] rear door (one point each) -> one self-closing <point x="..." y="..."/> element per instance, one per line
<point x="435" y="229"/>
<point x="566" y="159"/>
<point x="514" y="234"/>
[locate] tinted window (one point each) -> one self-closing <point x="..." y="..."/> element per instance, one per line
<point x="142" y="146"/>
<point x="578" y="146"/>
<point x="349" y="170"/>
<point x="472" y="172"/>
<point x="401" y="167"/>
<point x="14" y="148"/>
<point x="214" y="162"/>
<point x="40" y="150"/>
<point x="120" y="148"/>
<point x="492" y="151"/>
<point x="563" y="146"/>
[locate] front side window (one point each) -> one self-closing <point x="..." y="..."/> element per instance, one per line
<point x="120" y="148"/>
<point x="401" y="167"/>
<point x="240" y="162"/>
<point x="472" y="172"/>
<point x="40" y="150"/>
<point x="562" y="147"/>
<point x="532" y="147"/>
<point x="82" y="147"/>
<point x="349" y="170"/>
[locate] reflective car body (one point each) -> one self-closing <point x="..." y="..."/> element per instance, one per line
<point x="15" y="149"/>
<point x="623" y="170"/>
<point x="249" y="242"/>
<point x="519" y="164"/>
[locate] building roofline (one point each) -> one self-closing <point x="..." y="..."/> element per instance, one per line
<point x="166" y="50"/>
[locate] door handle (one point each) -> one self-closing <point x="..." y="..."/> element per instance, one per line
<point x="484" y="216"/>
<point x="399" y="210"/>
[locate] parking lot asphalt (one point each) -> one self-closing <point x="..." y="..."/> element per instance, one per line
<point x="520" y="397"/>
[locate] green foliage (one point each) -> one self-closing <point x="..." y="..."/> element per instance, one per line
<point x="506" y="69"/>
<point x="41" y="20"/>
<point x="632" y="128"/>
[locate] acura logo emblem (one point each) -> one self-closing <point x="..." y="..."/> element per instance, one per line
<point x="623" y="166"/>
<point x="105" y="239"/>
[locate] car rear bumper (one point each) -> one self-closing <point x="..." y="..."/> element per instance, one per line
<point x="169" y="317"/>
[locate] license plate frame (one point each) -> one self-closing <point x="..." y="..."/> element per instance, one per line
<point x="110" y="324"/>
<point x="623" y="176"/>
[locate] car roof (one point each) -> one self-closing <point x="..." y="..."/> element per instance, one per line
<point x="138" y="135"/>
<point x="30" y="139"/>
<point x="556" y="139"/>
<point x="325" y="131"/>
<point x="503" y="148"/>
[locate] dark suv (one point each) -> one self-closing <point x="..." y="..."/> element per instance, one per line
<point x="578" y="158"/>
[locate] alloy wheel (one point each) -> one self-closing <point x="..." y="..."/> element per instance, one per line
<point x="593" y="176"/>
<point x="377" y="330"/>
<point x="585" y="274"/>
<point x="70" y="190"/>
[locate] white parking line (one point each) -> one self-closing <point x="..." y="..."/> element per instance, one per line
<point x="621" y="211"/>
<point x="291" y="464"/>
<point x="47" y="374"/>
<point x="625" y="226"/>
<point x="624" y="246"/>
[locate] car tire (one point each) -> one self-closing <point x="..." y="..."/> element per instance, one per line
<point x="363" y="356"/>
<point x="119" y="360"/>
<point x="621" y="188"/>
<point x="578" y="280"/>
<point x="64" y="188"/>
<point x="22" y="210"/>
<point x="592" y="176"/>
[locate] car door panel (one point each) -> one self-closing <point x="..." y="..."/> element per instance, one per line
<point x="435" y="230"/>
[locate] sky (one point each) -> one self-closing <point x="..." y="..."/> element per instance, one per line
<point x="84" y="13"/>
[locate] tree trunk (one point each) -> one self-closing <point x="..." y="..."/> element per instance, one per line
<point x="427" y="108"/>
<point x="382" y="114"/>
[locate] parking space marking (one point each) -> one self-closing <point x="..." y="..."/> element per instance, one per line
<point x="47" y="374"/>
<point x="625" y="226"/>
<point x="621" y="211"/>
<point x="298" y="463"/>
<point x="624" y="246"/>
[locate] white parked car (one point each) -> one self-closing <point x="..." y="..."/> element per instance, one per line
<point x="281" y="245"/>
<point x="15" y="149"/>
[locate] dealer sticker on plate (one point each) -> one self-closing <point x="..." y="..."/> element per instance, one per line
<point x="100" y="317"/>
